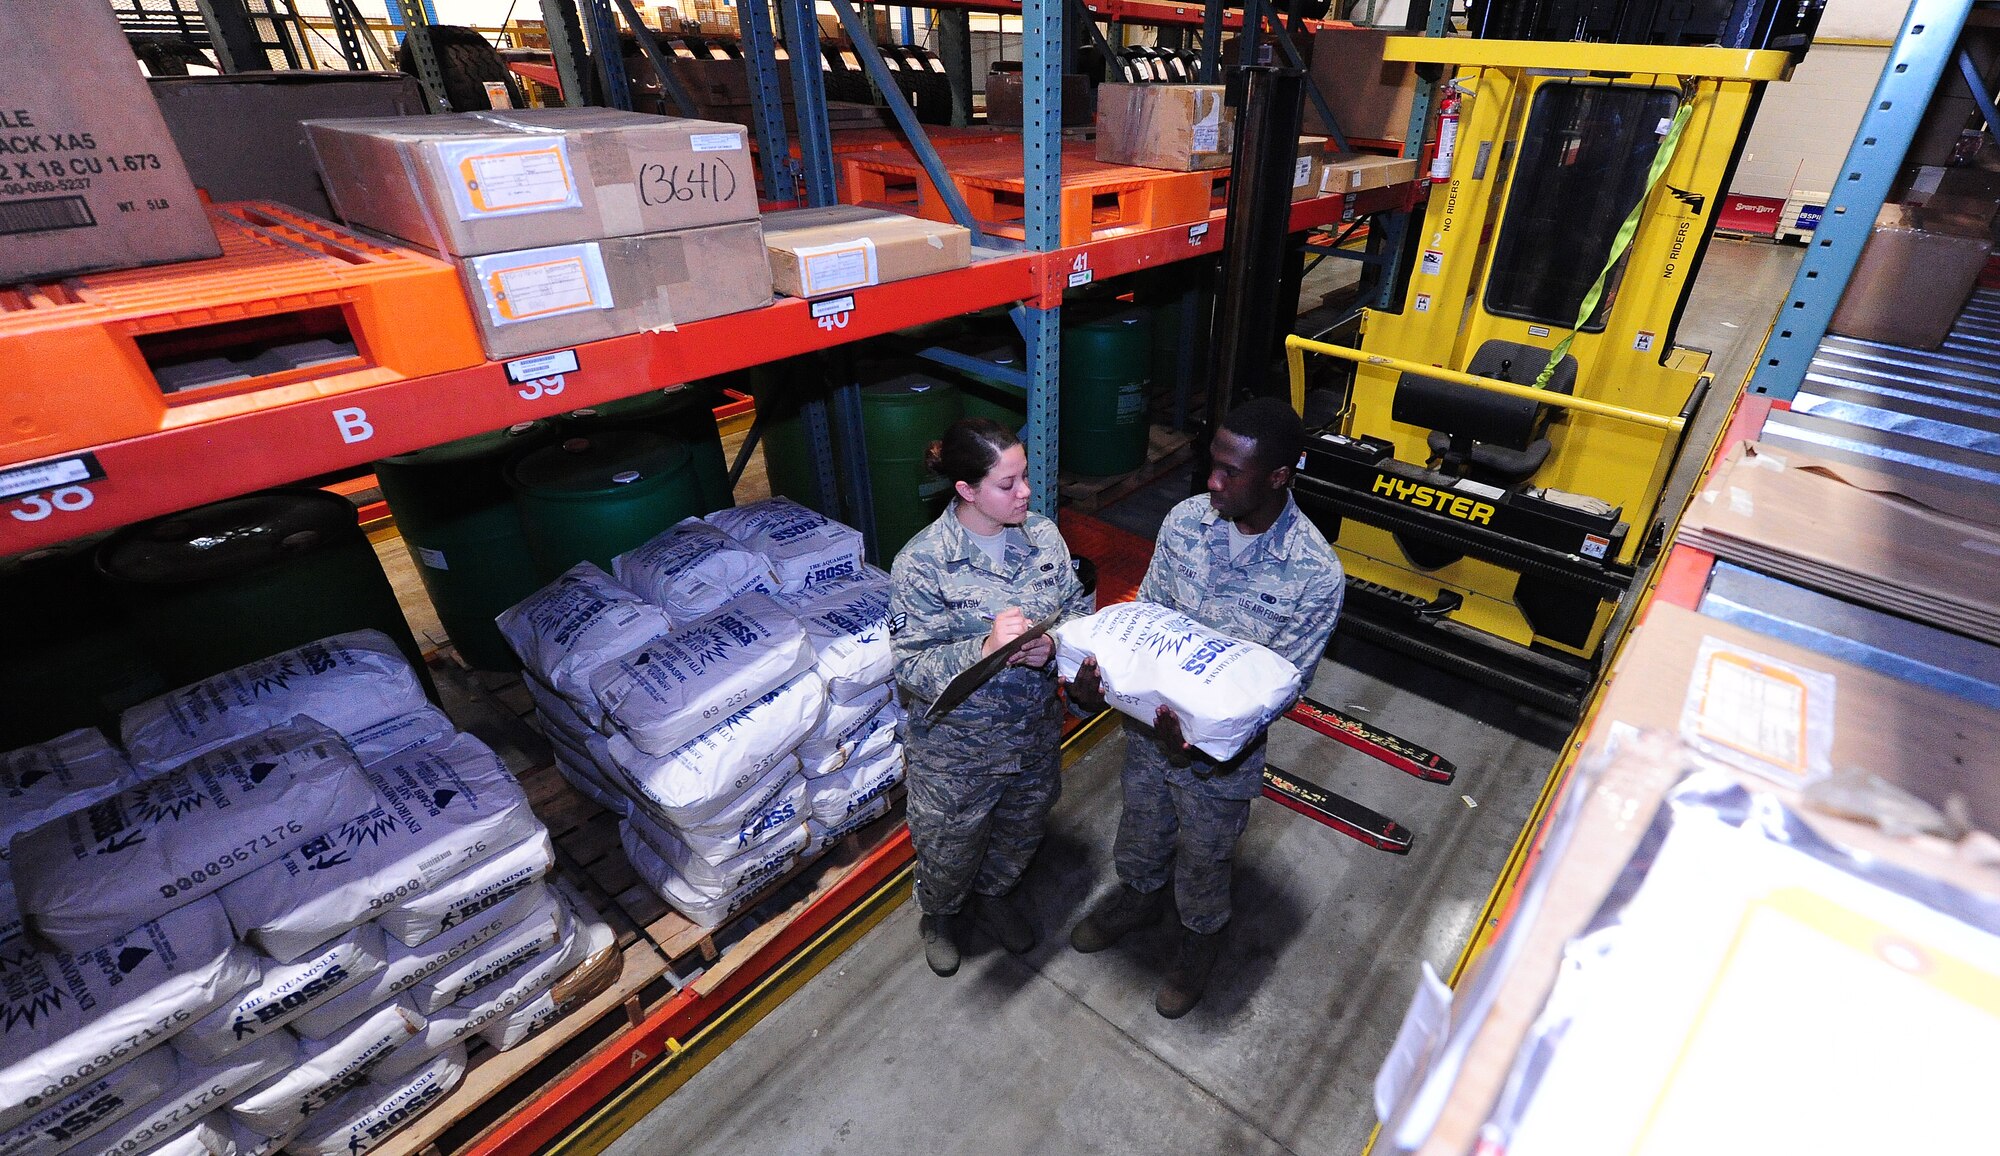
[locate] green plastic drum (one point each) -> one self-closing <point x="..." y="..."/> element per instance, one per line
<point x="685" y="414"/>
<point x="1105" y="371"/>
<point x="71" y="658"/>
<point x="901" y="417"/>
<point x="242" y="579"/>
<point x="593" y="498"/>
<point x="456" y="513"/>
<point x="999" y="403"/>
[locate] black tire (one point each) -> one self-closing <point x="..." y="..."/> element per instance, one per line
<point x="468" y="61"/>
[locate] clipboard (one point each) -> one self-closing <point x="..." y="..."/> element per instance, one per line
<point x="973" y="677"/>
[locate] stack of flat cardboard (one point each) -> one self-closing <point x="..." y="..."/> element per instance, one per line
<point x="1855" y="534"/>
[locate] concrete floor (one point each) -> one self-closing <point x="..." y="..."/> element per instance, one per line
<point x="1056" y="1052"/>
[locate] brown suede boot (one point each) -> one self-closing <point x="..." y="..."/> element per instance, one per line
<point x="1188" y="977"/>
<point x="1117" y="915"/>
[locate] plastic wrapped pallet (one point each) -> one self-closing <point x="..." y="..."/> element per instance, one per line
<point x="602" y="964"/>
<point x="424" y="917"/>
<point x="362" y="1119"/>
<point x="1225" y="690"/>
<point x="752" y="827"/>
<point x="95" y="1106"/>
<point x="666" y="693"/>
<point x="390" y="738"/>
<point x="805" y="548"/>
<point x="863" y="743"/>
<point x="703" y="778"/>
<point x="56" y="777"/>
<point x="495" y="960"/>
<point x="568" y="629"/>
<point x="653" y="849"/>
<point x="833" y="799"/>
<point x="409" y="966"/>
<point x="848" y="627"/>
<point x="347" y="683"/>
<point x="198" y="1090"/>
<point x="692" y="570"/>
<point x="284" y="992"/>
<point x="434" y="812"/>
<point x="87" y="876"/>
<point x="843" y="726"/>
<point x="66" y="1019"/>
<point x="583" y="756"/>
<point x="326" y="1070"/>
<point x="822" y="836"/>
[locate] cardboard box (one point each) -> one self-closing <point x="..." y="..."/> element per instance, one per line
<point x="243" y="135"/>
<point x="1003" y="100"/>
<point x="1311" y="165"/>
<point x="89" y="177"/>
<point x="815" y="252"/>
<point x="495" y="182"/>
<point x="1910" y="283"/>
<point x="561" y="295"/>
<point x="1352" y="173"/>
<point x="1182" y="127"/>
<point x="1369" y="96"/>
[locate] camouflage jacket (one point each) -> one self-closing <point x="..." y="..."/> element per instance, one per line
<point x="943" y="584"/>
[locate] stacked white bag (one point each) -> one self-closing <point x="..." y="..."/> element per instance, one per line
<point x="304" y="842"/>
<point x="728" y="696"/>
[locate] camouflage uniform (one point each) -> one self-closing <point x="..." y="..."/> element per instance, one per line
<point x="982" y="778"/>
<point x="1284" y="593"/>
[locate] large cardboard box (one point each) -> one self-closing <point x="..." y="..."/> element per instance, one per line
<point x="1311" y="164"/>
<point x="1003" y="100"/>
<point x="1369" y="96"/>
<point x="496" y="182"/>
<point x="1344" y="173"/>
<point x="558" y="295"/>
<point x="243" y="135"/>
<point x="1910" y="282"/>
<point x="89" y="178"/>
<point x="815" y="252"/>
<point x="1182" y="127"/>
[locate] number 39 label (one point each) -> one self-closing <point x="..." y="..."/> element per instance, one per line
<point x="541" y="387"/>
<point x="67" y="500"/>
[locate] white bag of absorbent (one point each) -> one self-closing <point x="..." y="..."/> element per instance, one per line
<point x="434" y="811"/>
<point x="67" y="1019"/>
<point x="602" y="964"/>
<point x="848" y="626"/>
<point x="425" y="727"/>
<point x="704" y="778"/>
<point x="284" y="992"/>
<point x="778" y="807"/>
<point x="86" y="876"/>
<point x="208" y="1136"/>
<point x="858" y="742"/>
<point x="821" y="836"/>
<point x="1225" y="690"/>
<point x="347" y="683"/>
<point x="424" y="917"/>
<point x="52" y="778"/>
<point x="654" y="850"/>
<point x="565" y="631"/>
<point x="666" y="693"/>
<point x="410" y="966"/>
<point x="198" y="1090"/>
<point x="692" y="569"/>
<point x="495" y="960"/>
<point x="326" y="1070"/>
<point x="869" y="578"/>
<point x="702" y="907"/>
<point x="804" y="548"/>
<point x="834" y="798"/>
<point x="362" y="1119"/>
<point x="244" y="1142"/>
<point x="583" y="756"/>
<point x="93" y="1107"/>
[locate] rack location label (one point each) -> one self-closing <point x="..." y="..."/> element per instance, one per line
<point x="49" y="475"/>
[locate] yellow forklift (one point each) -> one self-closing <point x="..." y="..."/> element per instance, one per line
<point x="1493" y="482"/>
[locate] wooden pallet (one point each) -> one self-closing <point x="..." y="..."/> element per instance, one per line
<point x="662" y="951"/>
<point x="1166" y="451"/>
<point x="1099" y="200"/>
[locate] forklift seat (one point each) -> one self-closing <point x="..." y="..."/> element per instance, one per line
<point x="1486" y="437"/>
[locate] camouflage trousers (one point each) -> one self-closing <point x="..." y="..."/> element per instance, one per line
<point x="976" y="832"/>
<point x="1171" y="832"/>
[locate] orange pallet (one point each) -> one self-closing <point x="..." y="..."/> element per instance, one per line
<point x="1099" y="200"/>
<point x="296" y="308"/>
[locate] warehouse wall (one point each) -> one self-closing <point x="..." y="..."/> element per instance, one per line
<point x="1803" y="128"/>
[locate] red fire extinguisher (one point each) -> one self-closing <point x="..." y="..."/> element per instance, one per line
<point x="1447" y="136"/>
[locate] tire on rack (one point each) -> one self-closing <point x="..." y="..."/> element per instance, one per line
<point x="468" y="62"/>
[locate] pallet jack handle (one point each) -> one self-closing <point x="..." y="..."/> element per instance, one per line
<point x="1297" y="347"/>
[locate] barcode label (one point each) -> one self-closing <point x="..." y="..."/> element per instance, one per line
<point x="44" y="215"/>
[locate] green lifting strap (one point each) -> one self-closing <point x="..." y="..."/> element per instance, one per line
<point x="1623" y="240"/>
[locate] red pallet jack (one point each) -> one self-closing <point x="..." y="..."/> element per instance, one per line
<point x="1338" y="812"/>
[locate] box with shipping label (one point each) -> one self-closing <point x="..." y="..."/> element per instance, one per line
<point x="1182" y="127"/>
<point x="89" y="177"/>
<point x="495" y="182"/>
<point x="1307" y="168"/>
<point x="815" y="252"/>
<point x="1352" y="173"/>
<point x="556" y="295"/>
<point x="1910" y="282"/>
